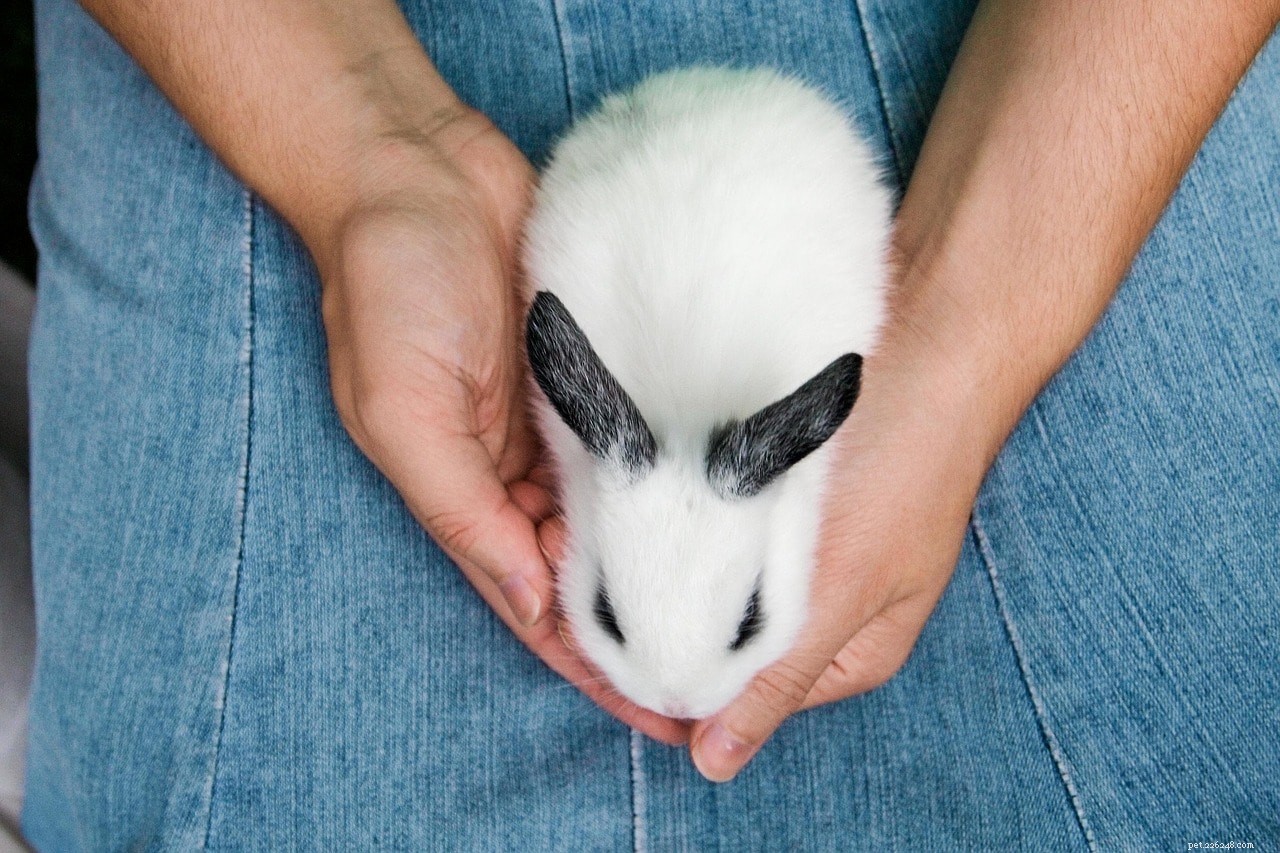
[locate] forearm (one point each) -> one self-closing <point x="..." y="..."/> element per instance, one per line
<point x="1062" y="132"/>
<point x="294" y="95"/>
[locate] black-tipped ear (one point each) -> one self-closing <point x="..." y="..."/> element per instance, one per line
<point x="581" y="388"/>
<point x="746" y="456"/>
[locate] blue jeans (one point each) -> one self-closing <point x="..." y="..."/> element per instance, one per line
<point x="246" y="641"/>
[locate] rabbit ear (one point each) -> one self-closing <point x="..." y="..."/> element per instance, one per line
<point x="745" y="456"/>
<point x="583" y="391"/>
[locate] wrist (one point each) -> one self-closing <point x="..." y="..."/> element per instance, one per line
<point x="947" y="375"/>
<point x="385" y="123"/>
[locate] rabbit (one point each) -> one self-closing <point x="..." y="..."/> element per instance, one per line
<point x="708" y="256"/>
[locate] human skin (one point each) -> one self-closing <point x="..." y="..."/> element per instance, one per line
<point x="409" y="202"/>
<point x="1063" y="130"/>
<point x="1061" y="133"/>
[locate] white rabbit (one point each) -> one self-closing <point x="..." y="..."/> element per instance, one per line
<point x="709" y="256"/>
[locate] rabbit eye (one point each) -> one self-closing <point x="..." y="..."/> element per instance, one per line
<point x="603" y="610"/>
<point x="752" y="622"/>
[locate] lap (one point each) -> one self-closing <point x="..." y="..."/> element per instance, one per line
<point x="245" y="637"/>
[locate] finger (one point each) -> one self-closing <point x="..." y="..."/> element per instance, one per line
<point x="533" y="500"/>
<point x="874" y="655"/>
<point x="550" y="645"/>
<point x="650" y="724"/>
<point x="594" y="684"/>
<point x="724" y="743"/>
<point x="450" y="484"/>
<point x="552" y="538"/>
<point x="543" y="474"/>
<point x="521" y="446"/>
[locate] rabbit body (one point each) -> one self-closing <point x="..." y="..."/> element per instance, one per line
<point x="713" y="240"/>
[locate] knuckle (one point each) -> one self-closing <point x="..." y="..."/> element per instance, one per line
<point x="883" y="672"/>
<point x="340" y="390"/>
<point x="862" y="670"/>
<point x="891" y="664"/>
<point x="456" y="532"/>
<point x="333" y="308"/>
<point x="374" y="409"/>
<point x="783" y="687"/>
<point x="344" y="403"/>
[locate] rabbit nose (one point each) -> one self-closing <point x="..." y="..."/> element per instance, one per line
<point x="676" y="709"/>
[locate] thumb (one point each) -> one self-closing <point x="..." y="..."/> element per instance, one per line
<point x="552" y="538"/>
<point x="451" y="485"/>
<point x="722" y="745"/>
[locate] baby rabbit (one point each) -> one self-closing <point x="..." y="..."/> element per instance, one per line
<point x="709" y="257"/>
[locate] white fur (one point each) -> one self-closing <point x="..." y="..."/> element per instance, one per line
<point x="720" y="236"/>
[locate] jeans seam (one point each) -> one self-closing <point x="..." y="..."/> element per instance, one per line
<point x="558" y="17"/>
<point x="240" y="512"/>
<point x="1128" y="601"/>
<point x="886" y="115"/>
<point x="639" y="829"/>
<point x="987" y="555"/>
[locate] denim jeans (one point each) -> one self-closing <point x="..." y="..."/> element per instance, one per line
<point x="245" y="641"/>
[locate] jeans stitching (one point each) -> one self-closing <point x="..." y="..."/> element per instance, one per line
<point x="987" y="554"/>
<point x="242" y="493"/>
<point x="558" y="17"/>
<point x="1129" y="601"/>
<point x="886" y="115"/>
<point x="640" y="837"/>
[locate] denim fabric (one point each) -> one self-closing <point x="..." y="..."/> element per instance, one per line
<point x="246" y="642"/>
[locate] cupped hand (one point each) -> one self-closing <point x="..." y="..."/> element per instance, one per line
<point x="423" y="313"/>
<point x="905" y="472"/>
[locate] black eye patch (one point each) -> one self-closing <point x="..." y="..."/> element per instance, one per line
<point x="752" y="622"/>
<point x="603" y="610"/>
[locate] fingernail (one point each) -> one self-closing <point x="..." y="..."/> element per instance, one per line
<point x="718" y="755"/>
<point x="522" y="600"/>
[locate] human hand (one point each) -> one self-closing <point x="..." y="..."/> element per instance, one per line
<point x="1006" y="265"/>
<point x="905" y="473"/>
<point x="423" y="314"/>
<point x="287" y="97"/>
